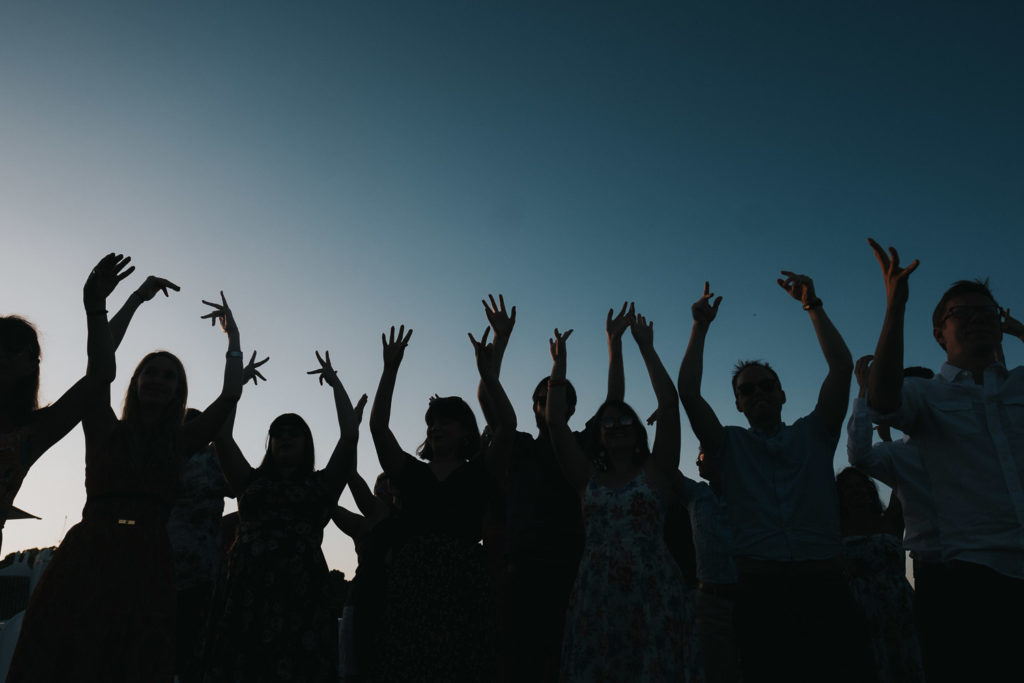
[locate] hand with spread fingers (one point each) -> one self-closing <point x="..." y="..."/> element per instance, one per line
<point x="557" y="347"/>
<point x="153" y="284"/>
<point x="485" y="355"/>
<point x="643" y="331"/>
<point x="326" y="372"/>
<point x="394" y="346"/>
<point x="616" y="325"/>
<point x="704" y="312"/>
<point x="251" y="370"/>
<point x="107" y="274"/>
<point x="800" y="287"/>
<point x="896" y="288"/>
<point x="499" y="318"/>
<point x="221" y="313"/>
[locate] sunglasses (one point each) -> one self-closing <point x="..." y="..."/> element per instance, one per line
<point x="748" y="388"/>
<point x="612" y="422"/>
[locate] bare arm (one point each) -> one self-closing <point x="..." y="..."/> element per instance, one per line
<point x="146" y="291"/>
<point x="502" y="323"/>
<point x="343" y="460"/>
<point x="504" y="416"/>
<point x="351" y="524"/>
<point x="615" y="327"/>
<point x="392" y="457"/>
<point x="834" y="396"/>
<point x="200" y="431"/>
<point x="702" y="418"/>
<point x="885" y="387"/>
<point x="571" y="460"/>
<point x="237" y="470"/>
<point x="666" y="437"/>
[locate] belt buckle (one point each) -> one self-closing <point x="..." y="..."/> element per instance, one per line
<point x="126" y="522"/>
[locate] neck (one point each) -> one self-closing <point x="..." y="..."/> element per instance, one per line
<point x="972" y="363"/>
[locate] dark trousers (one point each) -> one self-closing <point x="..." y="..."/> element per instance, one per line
<point x="970" y="621"/>
<point x="798" y="622"/>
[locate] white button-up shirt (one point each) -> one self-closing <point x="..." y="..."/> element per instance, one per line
<point x="898" y="465"/>
<point x="970" y="438"/>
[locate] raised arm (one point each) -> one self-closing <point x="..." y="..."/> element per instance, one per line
<point x="351" y="524"/>
<point x="392" y="457"/>
<point x="666" y="436"/>
<point x="343" y="460"/>
<point x="703" y="421"/>
<point x="88" y="400"/>
<point x="237" y="470"/>
<point x="200" y="431"/>
<point x="615" y="327"/>
<point x="502" y="323"/>
<point x="571" y="458"/>
<point x="834" y="396"/>
<point x="885" y="387"/>
<point x="146" y="291"/>
<point x="503" y="416"/>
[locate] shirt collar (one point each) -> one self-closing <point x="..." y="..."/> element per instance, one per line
<point x="952" y="373"/>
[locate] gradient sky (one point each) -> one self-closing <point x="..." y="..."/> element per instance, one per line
<point x="339" y="167"/>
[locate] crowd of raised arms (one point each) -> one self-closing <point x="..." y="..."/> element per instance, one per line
<point x="499" y="555"/>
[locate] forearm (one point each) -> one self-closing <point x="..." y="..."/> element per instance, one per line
<point x="834" y="348"/>
<point x="885" y="382"/>
<point x="691" y="370"/>
<point x="380" y="413"/>
<point x="503" y="416"/>
<point x="661" y="381"/>
<point x="119" y="323"/>
<point x="486" y="403"/>
<point x="616" y="373"/>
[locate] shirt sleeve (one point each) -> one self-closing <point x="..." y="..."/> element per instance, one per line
<point x="912" y="406"/>
<point x="875" y="460"/>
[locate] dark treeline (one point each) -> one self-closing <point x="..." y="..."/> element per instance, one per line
<point x="496" y="554"/>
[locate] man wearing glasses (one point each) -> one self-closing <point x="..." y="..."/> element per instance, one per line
<point x="795" y="617"/>
<point x="967" y="425"/>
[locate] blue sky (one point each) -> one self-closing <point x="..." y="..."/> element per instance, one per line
<point x="340" y="167"/>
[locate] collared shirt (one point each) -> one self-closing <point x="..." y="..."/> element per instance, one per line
<point x="898" y="465"/>
<point x="712" y="536"/>
<point x="970" y="438"/>
<point x="781" y="491"/>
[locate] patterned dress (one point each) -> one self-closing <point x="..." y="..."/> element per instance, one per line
<point x="272" y="620"/>
<point x="627" y="615"/>
<point x="876" y="568"/>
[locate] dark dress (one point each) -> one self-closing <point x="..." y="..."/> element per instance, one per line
<point x="439" y="616"/>
<point x="104" y="608"/>
<point x="272" y="619"/>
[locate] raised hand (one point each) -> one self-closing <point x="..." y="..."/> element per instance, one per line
<point x="326" y="371"/>
<point x="485" y="355"/>
<point x="251" y="371"/>
<point x="702" y="309"/>
<point x="498" y="318"/>
<point x="153" y="284"/>
<point x="862" y="370"/>
<point x="104" y="278"/>
<point x="394" y="346"/>
<point x="800" y="287"/>
<point x="616" y="326"/>
<point x="222" y="313"/>
<point x="557" y="346"/>
<point x="1012" y="326"/>
<point x="643" y="331"/>
<point x="360" y="405"/>
<point x="896" y="287"/>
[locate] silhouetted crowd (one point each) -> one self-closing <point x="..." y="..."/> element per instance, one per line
<point x="502" y="555"/>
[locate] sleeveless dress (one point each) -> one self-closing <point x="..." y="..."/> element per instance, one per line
<point x="104" y="608"/>
<point x="272" y="618"/>
<point x="627" y="613"/>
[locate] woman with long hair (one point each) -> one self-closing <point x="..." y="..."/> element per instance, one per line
<point x="273" y="621"/>
<point x="104" y="608"/>
<point x="439" y="616"/>
<point x="626" y="618"/>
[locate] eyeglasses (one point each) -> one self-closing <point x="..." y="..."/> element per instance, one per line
<point x="748" y="388"/>
<point x="988" y="314"/>
<point x="612" y="422"/>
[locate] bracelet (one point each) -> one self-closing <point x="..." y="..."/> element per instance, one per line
<point x="557" y="382"/>
<point x="812" y="304"/>
<point x="233" y="354"/>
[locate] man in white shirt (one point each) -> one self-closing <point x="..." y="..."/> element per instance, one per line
<point x="967" y="425"/>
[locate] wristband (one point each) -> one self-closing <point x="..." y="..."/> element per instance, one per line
<point x="233" y="354"/>
<point x="812" y="304"/>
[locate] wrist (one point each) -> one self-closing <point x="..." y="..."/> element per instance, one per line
<point x="812" y="303"/>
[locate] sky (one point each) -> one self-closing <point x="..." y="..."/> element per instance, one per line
<point x="336" y="168"/>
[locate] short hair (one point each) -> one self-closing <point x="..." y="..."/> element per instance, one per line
<point x="744" y="364"/>
<point x="452" y="408"/>
<point x="959" y="288"/>
<point x="19" y="335"/>
<point x="308" y="463"/>
<point x="570" y="392"/>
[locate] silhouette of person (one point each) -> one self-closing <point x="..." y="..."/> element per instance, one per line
<point x="104" y="609"/>
<point x="795" y="618"/>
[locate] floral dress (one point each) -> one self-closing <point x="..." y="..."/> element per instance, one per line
<point x="876" y="569"/>
<point x="627" y="614"/>
<point x="272" y="619"/>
